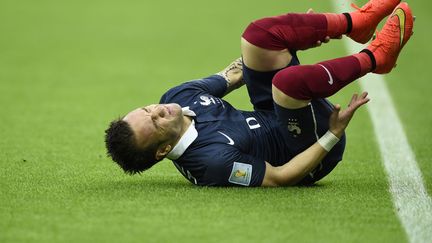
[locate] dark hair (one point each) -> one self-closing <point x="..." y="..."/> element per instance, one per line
<point x="122" y="148"/>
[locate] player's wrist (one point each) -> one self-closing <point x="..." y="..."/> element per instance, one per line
<point x="233" y="74"/>
<point x="338" y="132"/>
<point x="328" y="140"/>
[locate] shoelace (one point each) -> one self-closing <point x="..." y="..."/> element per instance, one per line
<point x="390" y="32"/>
<point x="364" y="9"/>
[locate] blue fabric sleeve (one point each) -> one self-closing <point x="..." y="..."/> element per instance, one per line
<point x="214" y="85"/>
<point x="234" y="168"/>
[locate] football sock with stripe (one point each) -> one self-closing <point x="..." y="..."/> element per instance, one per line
<point x="324" y="79"/>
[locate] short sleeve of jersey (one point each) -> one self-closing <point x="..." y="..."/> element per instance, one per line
<point x="234" y="168"/>
<point x="214" y="85"/>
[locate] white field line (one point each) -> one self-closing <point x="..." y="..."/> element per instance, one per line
<point x="411" y="200"/>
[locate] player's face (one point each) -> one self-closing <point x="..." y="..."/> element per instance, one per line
<point x="155" y="123"/>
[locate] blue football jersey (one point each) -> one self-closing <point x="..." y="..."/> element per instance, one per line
<point x="232" y="145"/>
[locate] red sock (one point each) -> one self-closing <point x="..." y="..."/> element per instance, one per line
<point x="295" y="31"/>
<point x="323" y="79"/>
<point x="366" y="65"/>
<point x="337" y="24"/>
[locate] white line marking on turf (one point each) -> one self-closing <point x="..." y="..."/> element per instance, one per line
<point x="411" y="200"/>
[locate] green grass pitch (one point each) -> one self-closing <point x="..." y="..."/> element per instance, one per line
<point x="69" y="67"/>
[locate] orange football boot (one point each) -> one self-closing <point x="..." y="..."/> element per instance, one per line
<point x="366" y="19"/>
<point x="396" y="32"/>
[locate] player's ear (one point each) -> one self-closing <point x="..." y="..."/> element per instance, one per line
<point x="162" y="151"/>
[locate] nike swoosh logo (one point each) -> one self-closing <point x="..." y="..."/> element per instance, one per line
<point x="400" y="13"/>
<point x="231" y="142"/>
<point x="330" y="81"/>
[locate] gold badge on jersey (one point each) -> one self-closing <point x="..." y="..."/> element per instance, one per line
<point x="241" y="174"/>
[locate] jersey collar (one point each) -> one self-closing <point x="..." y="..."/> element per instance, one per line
<point x="185" y="141"/>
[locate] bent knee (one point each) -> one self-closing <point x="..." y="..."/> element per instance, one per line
<point x="289" y="88"/>
<point x="262" y="59"/>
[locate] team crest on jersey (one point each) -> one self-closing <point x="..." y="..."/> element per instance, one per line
<point x="207" y="100"/>
<point x="241" y="174"/>
<point x="294" y="127"/>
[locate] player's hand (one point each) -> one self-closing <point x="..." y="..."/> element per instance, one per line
<point x="327" y="38"/>
<point x="340" y="119"/>
<point x="233" y="74"/>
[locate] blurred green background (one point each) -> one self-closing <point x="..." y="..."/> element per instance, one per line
<point x="67" y="68"/>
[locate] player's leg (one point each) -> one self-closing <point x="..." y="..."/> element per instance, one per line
<point x="300" y="105"/>
<point x="295" y="86"/>
<point x="268" y="43"/>
<point x="270" y="53"/>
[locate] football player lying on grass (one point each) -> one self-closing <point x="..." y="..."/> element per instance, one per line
<point x="294" y="136"/>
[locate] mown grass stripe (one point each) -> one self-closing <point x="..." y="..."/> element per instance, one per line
<point x="412" y="203"/>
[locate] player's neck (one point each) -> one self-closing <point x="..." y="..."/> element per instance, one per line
<point x="187" y="121"/>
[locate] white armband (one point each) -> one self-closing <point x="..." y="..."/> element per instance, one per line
<point x="328" y="141"/>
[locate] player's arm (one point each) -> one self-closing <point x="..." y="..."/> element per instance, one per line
<point x="217" y="85"/>
<point x="233" y="74"/>
<point x="302" y="164"/>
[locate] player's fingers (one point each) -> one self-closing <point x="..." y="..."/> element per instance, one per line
<point x="364" y="95"/>
<point x="310" y="11"/>
<point x="361" y="100"/>
<point x="359" y="104"/>
<point x="335" y="113"/>
<point x="353" y="100"/>
<point x="336" y="108"/>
